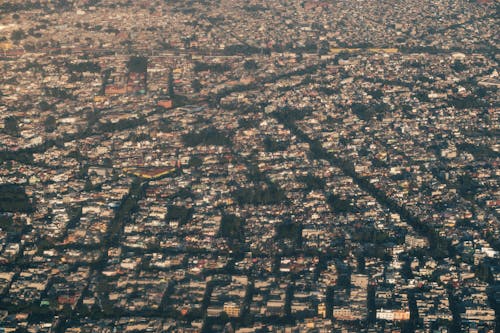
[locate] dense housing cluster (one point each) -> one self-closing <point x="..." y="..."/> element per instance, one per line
<point x="249" y="166"/>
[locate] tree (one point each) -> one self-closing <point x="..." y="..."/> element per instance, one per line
<point x="458" y="66"/>
<point x="291" y="231"/>
<point x="88" y="66"/>
<point x="11" y="126"/>
<point x="88" y="187"/>
<point x="324" y="47"/>
<point x="467" y="186"/>
<point x="207" y="136"/>
<point x="137" y="64"/>
<point x="376" y="93"/>
<point x="17" y="35"/>
<point x="483" y="272"/>
<point x="265" y="194"/>
<point x="272" y="145"/>
<point x="231" y="227"/>
<point x="179" y="213"/>
<point x="215" y="68"/>
<point x="91" y="117"/>
<point x="107" y="162"/>
<point x="312" y="182"/>
<point x="195" y="162"/>
<point x="339" y="205"/>
<point x="250" y="65"/>
<point x="50" y="124"/>
<point x="196" y="85"/>
<point x="44" y="106"/>
<point x="183" y="193"/>
<point x="13" y="198"/>
<point x="171" y="90"/>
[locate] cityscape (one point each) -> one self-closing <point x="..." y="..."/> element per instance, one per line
<point x="249" y="166"/>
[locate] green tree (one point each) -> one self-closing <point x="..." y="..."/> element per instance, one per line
<point x="196" y="85"/>
<point x="195" y="162"/>
<point x="11" y="126"/>
<point x="91" y="117"/>
<point x="137" y="64"/>
<point x="179" y="213"/>
<point x="312" y="182"/>
<point x="483" y="272"/>
<point x="107" y="162"/>
<point x="17" y="35"/>
<point x="339" y="205"/>
<point x="324" y="47"/>
<point x="458" y="66"/>
<point x="171" y="89"/>
<point x="13" y="198"/>
<point x="231" y="227"/>
<point x="50" y="124"/>
<point x="44" y="106"/>
<point x="88" y="185"/>
<point x="290" y="230"/>
<point x="467" y="186"/>
<point x="272" y="145"/>
<point x="250" y="65"/>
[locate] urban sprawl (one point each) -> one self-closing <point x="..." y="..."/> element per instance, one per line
<point x="249" y="166"/>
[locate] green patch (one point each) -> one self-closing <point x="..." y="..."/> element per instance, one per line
<point x="208" y="136"/>
<point x="231" y="228"/>
<point x="267" y="194"/>
<point x="13" y="198"/>
<point x="339" y="205"/>
<point x="179" y="213"/>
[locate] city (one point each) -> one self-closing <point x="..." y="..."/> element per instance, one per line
<point x="249" y="166"/>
